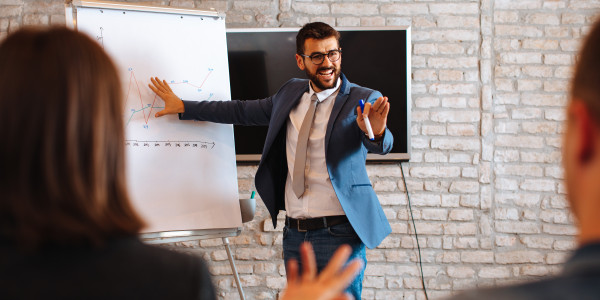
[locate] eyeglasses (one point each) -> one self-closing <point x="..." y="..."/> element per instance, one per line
<point x="318" y="58"/>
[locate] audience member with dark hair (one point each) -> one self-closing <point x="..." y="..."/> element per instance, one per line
<point x="580" y="278"/>
<point x="67" y="228"/>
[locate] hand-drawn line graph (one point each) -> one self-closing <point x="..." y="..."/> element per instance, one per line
<point x="139" y="104"/>
<point x="134" y="84"/>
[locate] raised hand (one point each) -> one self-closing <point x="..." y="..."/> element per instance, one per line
<point x="377" y="114"/>
<point x="329" y="284"/>
<point x="173" y="104"/>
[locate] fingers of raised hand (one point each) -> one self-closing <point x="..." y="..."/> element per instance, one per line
<point x="292" y="271"/>
<point x="337" y="261"/>
<point x="309" y="263"/>
<point x="380" y="104"/>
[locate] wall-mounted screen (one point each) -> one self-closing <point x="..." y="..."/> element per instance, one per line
<point x="261" y="60"/>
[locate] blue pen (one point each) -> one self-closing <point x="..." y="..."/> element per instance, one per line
<point x="367" y="123"/>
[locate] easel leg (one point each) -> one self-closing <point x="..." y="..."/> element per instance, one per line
<point x="233" y="268"/>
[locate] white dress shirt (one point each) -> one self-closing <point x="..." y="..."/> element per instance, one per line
<point x="319" y="198"/>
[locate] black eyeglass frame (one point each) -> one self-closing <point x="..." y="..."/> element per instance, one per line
<point x="322" y="55"/>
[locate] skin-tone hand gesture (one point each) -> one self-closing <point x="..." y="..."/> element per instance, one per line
<point x="377" y="114"/>
<point x="173" y="104"/>
<point x="329" y="284"/>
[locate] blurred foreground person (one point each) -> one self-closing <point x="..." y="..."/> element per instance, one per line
<point x="580" y="278"/>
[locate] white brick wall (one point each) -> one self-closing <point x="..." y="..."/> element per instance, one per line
<point x="489" y="85"/>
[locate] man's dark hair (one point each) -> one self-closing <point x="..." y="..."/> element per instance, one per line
<point x="585" y="85"/>
<point x="315" y="30"/>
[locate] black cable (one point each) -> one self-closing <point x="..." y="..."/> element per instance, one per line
<point x="415" y="228"/>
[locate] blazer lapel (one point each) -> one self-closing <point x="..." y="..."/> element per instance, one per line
<point x="282" y="114"/>
<point x="340" y="100"/>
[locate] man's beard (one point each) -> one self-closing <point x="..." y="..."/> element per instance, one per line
<point x="314" y="78"/>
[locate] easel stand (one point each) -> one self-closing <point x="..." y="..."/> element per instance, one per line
<point x="191" y="235"/>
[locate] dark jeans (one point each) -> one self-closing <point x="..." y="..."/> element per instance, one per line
<point x="324" y="242"/>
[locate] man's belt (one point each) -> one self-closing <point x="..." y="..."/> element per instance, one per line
<point x="315" y="223"/>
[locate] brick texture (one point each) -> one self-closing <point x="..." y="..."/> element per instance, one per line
<point x="489" y="82"/>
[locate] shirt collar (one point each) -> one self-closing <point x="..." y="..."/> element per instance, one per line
<point x="322" y="95"/>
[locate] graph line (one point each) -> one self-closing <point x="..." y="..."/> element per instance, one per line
<point x="133" y="80"/>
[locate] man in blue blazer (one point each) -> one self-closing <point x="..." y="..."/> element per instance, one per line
<point x="313" y="160"/>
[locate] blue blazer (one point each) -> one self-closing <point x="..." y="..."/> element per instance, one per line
<point x="346" y="149"/>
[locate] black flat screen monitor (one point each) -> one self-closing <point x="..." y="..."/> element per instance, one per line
<point x="261" y="60"/>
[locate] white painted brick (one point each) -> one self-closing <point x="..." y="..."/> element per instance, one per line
<point x="507" y="127"/>
<point x="519" y="257"/>
<point x="518" y="30"/>
<point x="517" y="227"/>
<point x="555" y="114"/>
<point x="451" y="48"/>
<point x="455" y="116"/>
<point x="463" y="144"/>
<point x="451" y="75"/>
<point x="519" y="141"/>
<point x="503" y="213"/>
<point x="469" y="200"/>
<point x="311" y="8"/>
<point x="555" y="216"/>
<point x="558" y="59"/>
<point x="537" y="71"/>
<point x="559" y="229"/>
<point x="425" y="75"/>
<point x="470" y="173"/>
<point x="556" y="258"/>
<point x="506" y="155"/>
<point x="436" y="157"/>
<point x="564" y="245"/>
<point x="572" y="18"/>
<point x="452" y="89"/>
<point x="507" y="184"/>
<point x="505" y="241"/>
<point x="460" y="272"/>
<point x="454" y="8"/>
<point x="460" y="228"/>
<point x="405" y="9"/>
<point x="522" y="58"/>
<point x="494" y="272"/>
<point x="357" y="9"/>
<point x="520" y="199"/>
<point x="540" y="185"/>
<point x="540" y="127"/>
<point x="541" y="157"/>
<point x="517" y="4"/>
<point x="451" y="63"/>
<point x="529" y="84"/>
<point x="509" y="71"/>
<point x="537" y="242"/>
<point x="454" y="102"/>
<point x="464" y="187"/>
<point x="477" y="257"/>
<point x="419" y="199"/>
<point x="505" y="85"/>
<point x="506" y="16"/>
<point x="372" y="21"/>
<point x="466" y="243"/>
<point x="434" y="214"/>
<point x="543" y="19"/>
<point x="448" y="21"/>
<point x="425" y="49"/>
<point x="423" y="22"/>
<point x="348" y="21"/>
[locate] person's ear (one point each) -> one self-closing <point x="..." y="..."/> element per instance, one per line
<point x="585" y="131"/>
<point x="300" y="61"/>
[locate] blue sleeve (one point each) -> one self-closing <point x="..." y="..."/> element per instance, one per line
<point x="237" y="112"/>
